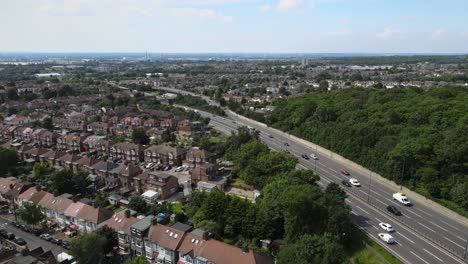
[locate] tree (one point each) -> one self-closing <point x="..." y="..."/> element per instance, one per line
<point x="138" y="204"/>
<point x="111" y="239"/>
<point x="8" y="160"/>
<point x="88" y="248"/>
<point x="139" y="136"/>
<point x="39" y="169"/>
<point x="313" y="249"/>
<point x="12" y="93"/>
<point x="137" y="260"/>
<point x="47" y="123"/>
<point x="323" y="85"/>
<point x="31" y="214"/>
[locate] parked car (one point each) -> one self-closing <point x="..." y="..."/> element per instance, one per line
<point x="304" y="156"/>
<point x="20" y="241"/>
<point x="16" y="224"/>
<point x="26" y="228"/>
<point x="9" y="235"/>
<point x="65" y="244"/>
<point x="168" y="167"/>
<point x="149" y="165"/>
<point x="345" y="172"/>
<point x="387" y="238"/>
<point x="286" y="144"/>
<point x="3" y="232"/>
<point x="46" y="237"/>
<point x="55" y="240"/>
<point x="394" y="210"/>
<point x="180" y="168"/>
<point x="346" y="183"/>
<point x="386" y="227"/>
<point x="354" y="182"/>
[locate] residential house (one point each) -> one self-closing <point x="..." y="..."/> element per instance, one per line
<point x="51" y="157"/>
<point x="138" y="232"/>
<point x="103" y="146"/>
<point x="164" y="184"/>
<point x="120" y="223"/>
<point x="99" y="128"/>
<point x="90" y="218"/>
<point x="90" y="142"/>
<point x="196" y="157"/>
<point x="47" y="138"/>
<point x="55" y="209"/>
<point x="31" y="195"/>
<point x="72" y="142"/>
<point x="165" y="154"/>
<point x="126" y="151"/>
<point x="69" y="161"/>
<point x="162" y="243"/>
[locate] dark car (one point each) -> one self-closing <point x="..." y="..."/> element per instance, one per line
<point x="304" y="156"/>
<point x="55" y="240"/>
<point x="3" y="232"/>
<point x="26" y="228"/>
<point x="286" y="144"/>
<point x="345" y="172"/>
<point x="16" y="224"/>
<point x="394" y="210"/>
<point x="66" y="244"/>
<point x="286" y="151"/>
<point x="9" y="235"/>
<point x="270" y="136"/>
<point x="168" y="167"/>
<point x="346" y="183"/>
<point x="20" y="241"/>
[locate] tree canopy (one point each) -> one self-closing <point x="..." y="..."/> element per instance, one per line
<point x="88" y="248"/>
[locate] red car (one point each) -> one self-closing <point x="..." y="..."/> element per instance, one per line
<point x="345" y="172"/>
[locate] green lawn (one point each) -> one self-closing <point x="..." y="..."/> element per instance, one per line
<point x="239" y="183"/>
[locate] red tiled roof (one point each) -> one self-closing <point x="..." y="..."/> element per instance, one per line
<point x="165" y="236"/>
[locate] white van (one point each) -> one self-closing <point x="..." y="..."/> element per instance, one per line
<point x="387" y="238"/>
<point x="401" y="198"/>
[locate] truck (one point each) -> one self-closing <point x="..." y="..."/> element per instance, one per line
<point x="401" y="198"/>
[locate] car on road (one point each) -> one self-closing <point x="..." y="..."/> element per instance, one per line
<point x="3" y="232"/>
<point x="270" y="136"/>
<point x="313" y="156"/>
<point x="394" y="210"/>
<point x="9" y="235"/>
<point x="286" y="151"/>
<point x="345" y="172"/>
<point x="304" y="156"/>
<point x="66" y="244"/>
<point x="401" y="198"/>
<point x="354" y="182"/>
<point x="386" y="227"/>
<point x="387" y="238"/>
<point x="286" y="144"/>
<point x="46" y="237"/>
<point x="55" y="241"/>
<point x="20" y="241"/>
<point x="346" y="183"/>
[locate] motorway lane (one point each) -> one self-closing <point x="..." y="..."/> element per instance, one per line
<point x="439" y="227"/>
<point x="414" y="248"/>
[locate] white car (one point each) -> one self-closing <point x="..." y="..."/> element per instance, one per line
<point x="401" y="198"/>
<point x="354" y="182"/>
<point x="314" y="157"/>
<point x="387" y="238"/>
<point x="180" y="168"/>
<point x="149" y="165"/>
<point x="386" y="227"/>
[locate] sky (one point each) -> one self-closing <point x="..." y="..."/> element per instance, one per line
<point x="265" y="26"/>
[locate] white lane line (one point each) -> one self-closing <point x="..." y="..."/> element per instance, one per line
<point x="406" y="238"/>
<point x="423" y="212"/>
<point x="362" y="209"/>
<point x="433" y="255"/>
<point x="414" y="213"/>
<point x="419" y="257"/>
<point x="375" y="228"/>
<point x="461" y="238"/>
<point x="453" y="242"/>
<point x="363" y="191"/>
<point x="378" y="220"/>
<point x="426" y="227"/>
<point x="319" y="183"/>
<point x="438" y="226"/>
<point x="378" y="200"/>
<point x="354" y="213"/>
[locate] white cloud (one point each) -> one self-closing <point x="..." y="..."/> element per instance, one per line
<point x="285" y="5"/>
<point x="387" y="33"/>
<point x="202" y="14"/>
<point x="265" y="8"/>
<point x="439" y="33"/>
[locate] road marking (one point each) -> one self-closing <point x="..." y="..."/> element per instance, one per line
<point x="362" y="209"/>
<point x="319" y="183"/>
<point x="438" y="226"/>
<point x="375" y="228"/>
<point x="414" y="213"/>
<point x="406" y="238"/>
<point x="461" y="238"/>
<point x="426" y="227"/>
<point x="433" y="255"/>
<point x="378" y="220"/>
<point x="380" y="201"/>
<point x="419" y="257"/>
<point x="423" y="212"/>
<point x="354" y="213"/>
<point x="453" y="242"/>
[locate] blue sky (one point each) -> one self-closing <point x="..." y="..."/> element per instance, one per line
<point x="391" y="26"/>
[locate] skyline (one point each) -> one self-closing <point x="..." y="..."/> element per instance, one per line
<point x="234" y="26"/>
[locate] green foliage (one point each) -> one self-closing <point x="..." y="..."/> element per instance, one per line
<point x="139" y="136"/>
<point x="313" y="249"/>
<point x="88" y="248"/>
<point x="31" y="214"/>
<point x="68" y="181"/>
<point x="111" y="239"/>
<point x="138" y="204"/>
<point x="40" y="169"/>
<point x="230" y="147"/>
<point x="8" y="161"/>
<point x="412" y="136"/>
<point x="199" y="103"/>
<point x="47" y="123"/>
<point x="137" y="260"/>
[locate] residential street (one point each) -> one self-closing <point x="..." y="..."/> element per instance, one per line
<point x="32" y="240"/>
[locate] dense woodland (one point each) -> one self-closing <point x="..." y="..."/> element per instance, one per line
<point x="415" y="136"/>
